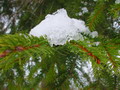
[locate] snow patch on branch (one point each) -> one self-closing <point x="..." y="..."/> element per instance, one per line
<point x="60" y="28"/>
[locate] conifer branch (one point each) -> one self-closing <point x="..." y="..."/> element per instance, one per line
<point x="110" y="57"/>
<point x="16" y="49"/>
<point x="88" y="52"/>
<point x="18" y="46"/>
<point x="96" y="16"/>
<point x="114" y="10"/>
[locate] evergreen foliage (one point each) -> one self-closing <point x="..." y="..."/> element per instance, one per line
<point x="28" y="62"/>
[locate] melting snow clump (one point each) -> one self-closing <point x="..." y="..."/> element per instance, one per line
<point x="60" y="28"/>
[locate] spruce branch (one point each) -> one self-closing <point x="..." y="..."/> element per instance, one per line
<point x="111" y="48"/>
<point x="18" y="46"/>
<point x="110" y="58"/>
<point x="97" y="16"/>
<point x="115" y="10"/>
<point x="87" y="52"/>
<point x="16" y="49"/>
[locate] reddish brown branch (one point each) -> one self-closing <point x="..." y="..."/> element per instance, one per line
<point x="88" y="53"/>
<point x="21" y="48"/>
<point x="5" y="53"/>
<point x="16" y="49"/>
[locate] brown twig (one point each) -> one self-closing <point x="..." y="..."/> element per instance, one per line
<point x="16" y="49"/>
<point x="88" y="52"/>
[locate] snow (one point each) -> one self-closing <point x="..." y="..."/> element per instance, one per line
<point x="60" y="28"/>
<point x="84" y="10"/>
<point x="80" y="13"/>
<point x="116" y="25"/>
<point x="94" y="34"/>
<point x="117" y="1"/>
